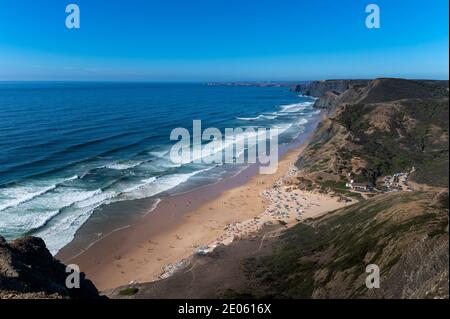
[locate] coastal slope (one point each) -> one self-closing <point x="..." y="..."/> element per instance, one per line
<point x="380" y="131"/>
<point x="404" y="234"/>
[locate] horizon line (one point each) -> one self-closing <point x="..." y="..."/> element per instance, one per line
<point x="220" y="81"/>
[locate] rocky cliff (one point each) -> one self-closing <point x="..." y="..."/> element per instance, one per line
<point x="319" y="88"/>
<point x="332" y="93"/>
<point x="29" y="271"/>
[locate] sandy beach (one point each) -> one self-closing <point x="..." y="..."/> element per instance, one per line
<point x="154" y="246"/>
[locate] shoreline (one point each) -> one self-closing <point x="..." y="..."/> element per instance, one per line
<point x="153" y="246"/>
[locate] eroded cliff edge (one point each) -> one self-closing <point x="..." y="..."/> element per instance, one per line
<point x="29" y="271"/>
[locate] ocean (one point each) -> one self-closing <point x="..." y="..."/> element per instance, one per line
<point x="69" y="149"/>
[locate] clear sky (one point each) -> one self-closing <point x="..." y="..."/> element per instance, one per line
<point x="219" y="40"/>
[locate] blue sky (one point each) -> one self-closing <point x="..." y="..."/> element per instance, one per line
<point x="220" y="40"/>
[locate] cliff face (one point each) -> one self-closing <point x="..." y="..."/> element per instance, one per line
<point x="319" y="88"/>
<point x="332" y="93"/>
<point x="29" y="271"/>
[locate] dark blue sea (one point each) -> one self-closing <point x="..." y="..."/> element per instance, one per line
<point x="67" y="149"/>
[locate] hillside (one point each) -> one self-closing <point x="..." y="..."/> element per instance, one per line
<point x="405" y="234"/>
<point x="369" y="140"/>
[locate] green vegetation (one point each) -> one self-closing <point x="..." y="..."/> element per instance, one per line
<point x="130" y="291"/>
<point x="234" y="294"/>
<point x="417" y="136"/>
<point x="337" y="187"/>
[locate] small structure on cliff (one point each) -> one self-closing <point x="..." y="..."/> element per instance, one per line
<point x="362" y="187"/>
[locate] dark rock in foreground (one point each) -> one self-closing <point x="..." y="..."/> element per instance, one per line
<point x="29" y="271"/>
